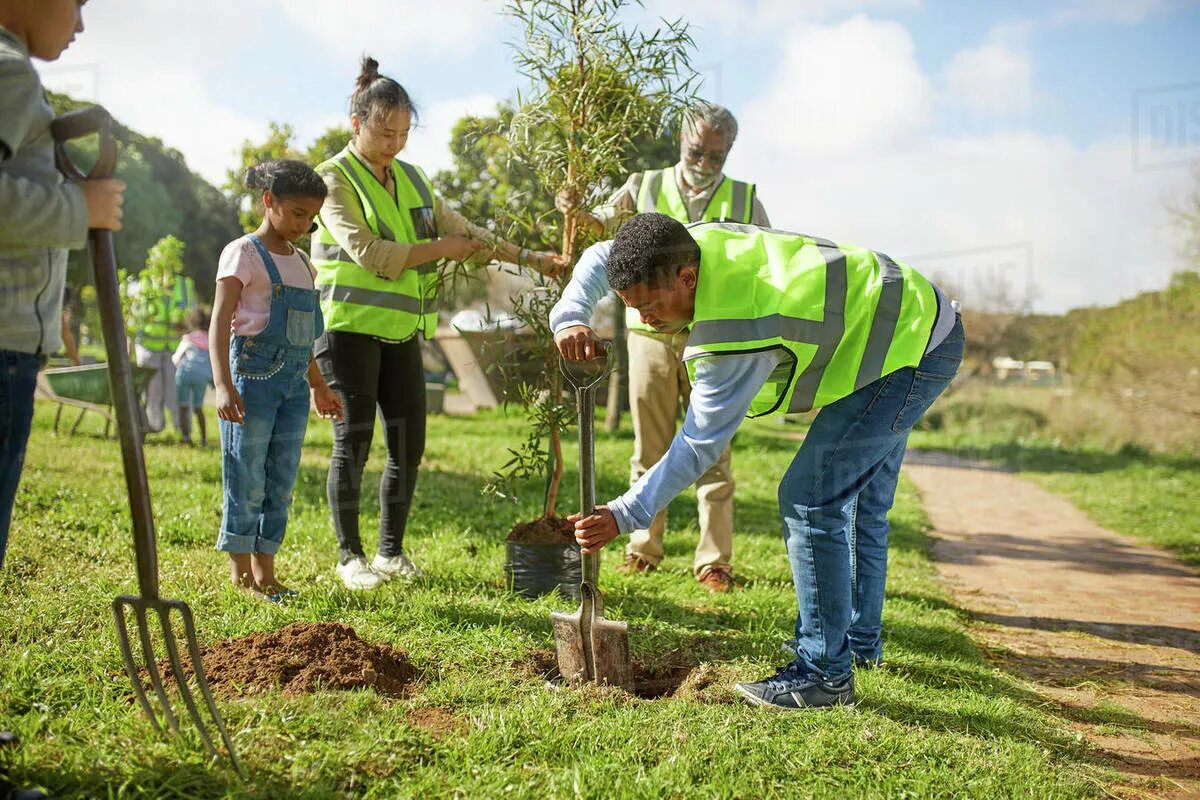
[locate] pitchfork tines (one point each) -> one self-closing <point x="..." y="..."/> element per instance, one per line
<point x="143" y="609"/>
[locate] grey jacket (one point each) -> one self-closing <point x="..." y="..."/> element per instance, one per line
<point x="41" y="217"/>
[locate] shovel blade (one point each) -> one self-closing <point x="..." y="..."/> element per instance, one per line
<point x="592" y="650"/>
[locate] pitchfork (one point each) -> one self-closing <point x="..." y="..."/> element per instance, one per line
<point x="125" y="402"/>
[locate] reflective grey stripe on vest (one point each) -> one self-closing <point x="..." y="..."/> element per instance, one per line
<point x="384" y="231"/>
<point x="370" y="297"/>
<point x="330" y="252"/>
<point x="826" y="335"/>
<point x="883" y="324"/>
<point x="739" y="210"/>
<point x="418" y="183"/>
<point x="653" y="190"/>
<point x="335" y="252"/>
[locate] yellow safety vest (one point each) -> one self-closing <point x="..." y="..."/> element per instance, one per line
<point x="843" y="315"/>
<point x="356" y="300"/>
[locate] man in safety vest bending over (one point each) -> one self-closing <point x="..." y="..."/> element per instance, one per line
<point x="782" y="322"/>
<point x="694" y="190"/>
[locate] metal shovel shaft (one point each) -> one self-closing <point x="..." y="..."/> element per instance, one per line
<point x="589" y="647"/>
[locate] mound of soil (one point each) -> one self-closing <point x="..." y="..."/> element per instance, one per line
<point x="438" y="722"/>
<point x="543" y="530"/>
<point x="299" y="659"/>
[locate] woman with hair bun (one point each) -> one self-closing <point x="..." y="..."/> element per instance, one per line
<point x="380" y="236"/>
<point x="267" y="302"/>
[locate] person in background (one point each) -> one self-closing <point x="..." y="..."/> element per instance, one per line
<point x="162" y="303"/>
<point x="193" y="375"/>
<point x="267" y="301"/>
<point x="68" y="334"/>
<point x="380" y="237"/>
<point x="695" y="189"/>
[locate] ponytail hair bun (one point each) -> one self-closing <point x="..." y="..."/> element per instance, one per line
<point x="377" y="95"/>
<point x="285" y="177"/>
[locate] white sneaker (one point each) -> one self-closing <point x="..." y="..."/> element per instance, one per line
<point x="357" y="575"/>
<point x="397" y="567"/>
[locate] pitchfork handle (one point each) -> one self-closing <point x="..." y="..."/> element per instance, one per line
<point x="120" y="374"/>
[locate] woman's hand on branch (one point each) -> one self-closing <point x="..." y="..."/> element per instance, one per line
<point x="459" y="248"/>
<point x="548" y="263"/>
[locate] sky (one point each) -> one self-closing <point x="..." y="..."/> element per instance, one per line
<point x="1021" y="152"/>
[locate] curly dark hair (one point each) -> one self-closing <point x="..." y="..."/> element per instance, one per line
<point x="650" y="249"/>
<point x="285" y="177"/>
<point x="376" y="94"/>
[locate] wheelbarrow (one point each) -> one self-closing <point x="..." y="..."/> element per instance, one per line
<point x="86" y="387"/>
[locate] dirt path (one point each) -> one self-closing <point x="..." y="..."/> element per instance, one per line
<point x="1106" y="628"/>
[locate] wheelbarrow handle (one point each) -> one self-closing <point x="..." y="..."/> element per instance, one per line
<point x="84" y="122"/>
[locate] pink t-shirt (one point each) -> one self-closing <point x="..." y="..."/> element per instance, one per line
<point x="240" y="259"/>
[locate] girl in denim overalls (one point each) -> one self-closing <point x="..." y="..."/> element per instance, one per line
<point x="266" y="299"/>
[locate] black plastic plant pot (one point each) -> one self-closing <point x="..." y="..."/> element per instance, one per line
<point x="537" y="569"/>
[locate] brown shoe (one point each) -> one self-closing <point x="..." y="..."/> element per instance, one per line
<point x="717" y="579"/>
<point x="633" y="564"/>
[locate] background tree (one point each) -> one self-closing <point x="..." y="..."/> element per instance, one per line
<point x="164" y="197"/>
<point x="278" y="144"/>
<point x="596" y="89"/>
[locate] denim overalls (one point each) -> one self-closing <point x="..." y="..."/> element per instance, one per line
<point x="261" y="456"/>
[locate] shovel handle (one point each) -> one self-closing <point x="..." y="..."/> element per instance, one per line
<point x="84" y="122"/>
<point x="585" y="401"/>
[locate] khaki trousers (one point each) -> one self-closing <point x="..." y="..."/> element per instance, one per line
<point x="658" y="390"/>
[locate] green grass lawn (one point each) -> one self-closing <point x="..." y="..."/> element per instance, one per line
<point x="1133" y="487"/>
<point x="937" y="721"/>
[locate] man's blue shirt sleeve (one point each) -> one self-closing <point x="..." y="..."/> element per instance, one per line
<point x="721" y="395"/>
<point x="587" y="287"/>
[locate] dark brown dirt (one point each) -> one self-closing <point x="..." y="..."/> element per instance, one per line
<point x="672" y="678"/>
<point x="301" y="658"/>
<point x="543" y="530"/>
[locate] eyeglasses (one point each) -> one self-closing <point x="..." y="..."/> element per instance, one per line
<point x="695" y="154"/>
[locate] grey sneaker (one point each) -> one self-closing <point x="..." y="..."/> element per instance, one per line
<point x="357" y="576"/>
<point x="396" y="567"/>
<point x="790" y="689"/>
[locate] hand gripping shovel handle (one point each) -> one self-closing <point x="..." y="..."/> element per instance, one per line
<point x="120" y="374"/>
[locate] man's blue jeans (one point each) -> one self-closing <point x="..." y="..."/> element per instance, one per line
<point x="18" y="379"/>
<point x="261" y="457"/>
<point x="834" y="499"/>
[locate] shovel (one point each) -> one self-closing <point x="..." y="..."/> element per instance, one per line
<point x="125" y="403"/>
<point x="590" y="648"/>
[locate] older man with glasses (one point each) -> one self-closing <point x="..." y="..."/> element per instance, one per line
<point x="694" y="190"/>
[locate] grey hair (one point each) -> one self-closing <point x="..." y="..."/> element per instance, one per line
<point x="715" y="116"/>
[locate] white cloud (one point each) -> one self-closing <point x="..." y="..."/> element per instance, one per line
<point x="856" y="160"/>
<point x="841" y="88"/>
<point x="395" y="30"/>
<point x="994" y="78"/>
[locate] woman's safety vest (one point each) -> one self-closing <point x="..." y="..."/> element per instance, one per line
<point x="733" y="201"/>
<point x="843" y="316"/>
<point x="357" y="300"/>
